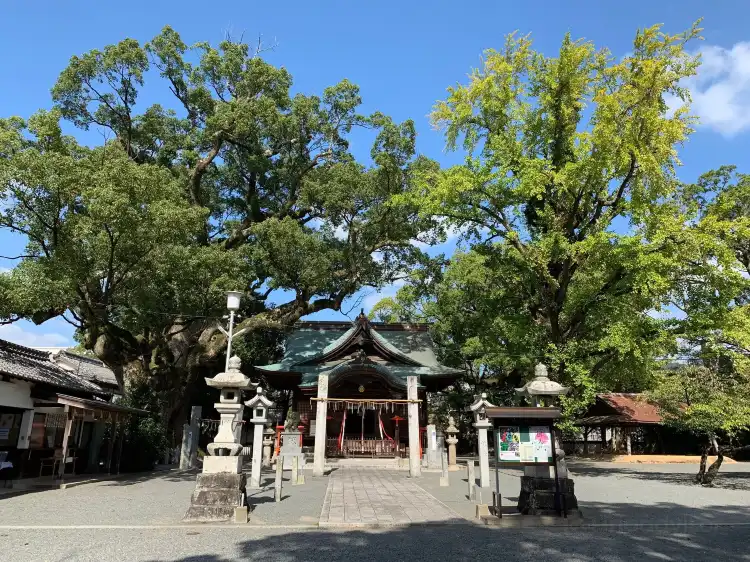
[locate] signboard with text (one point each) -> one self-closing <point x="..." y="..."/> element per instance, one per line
<point x="524" y="444"/>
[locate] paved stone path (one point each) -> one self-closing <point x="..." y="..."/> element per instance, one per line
<point x="360" y="497"/>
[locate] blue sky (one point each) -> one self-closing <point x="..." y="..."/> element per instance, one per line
<point x="403" y="55"/>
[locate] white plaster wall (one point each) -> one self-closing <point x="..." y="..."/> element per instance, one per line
<point x="16" y="394"/>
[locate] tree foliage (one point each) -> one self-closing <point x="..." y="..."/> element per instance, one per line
<point x="568" y="205"/>
<point x="234" y="184"/>
<point x="710" y="396"/>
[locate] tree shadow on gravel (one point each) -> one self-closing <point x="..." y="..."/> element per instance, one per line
<point x="460" y="541"/>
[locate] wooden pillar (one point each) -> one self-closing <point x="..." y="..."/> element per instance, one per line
<point x="586" y="430"/>
<point x="111" y="446"/>
<point x="627" y="441"/>
<point x="119" y="446"/>
<point x="319" y="455"/>
<point x="66" y="438"/>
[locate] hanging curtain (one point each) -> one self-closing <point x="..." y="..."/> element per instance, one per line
<point x="341" y="435"/>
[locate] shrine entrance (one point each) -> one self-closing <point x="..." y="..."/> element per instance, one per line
<point x="358" y="386"/>
<point x="364" y="427"/>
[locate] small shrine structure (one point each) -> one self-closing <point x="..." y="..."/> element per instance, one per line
<point x="353" y="382"/>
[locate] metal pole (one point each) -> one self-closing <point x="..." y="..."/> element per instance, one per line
<point x="498" y="497"/>
<point x="229" y="339"/>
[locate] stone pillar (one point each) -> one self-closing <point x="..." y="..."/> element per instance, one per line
<point x="279" y="477"/>
<point x="185" y="449"/>
<point x="472" y="480"/>
<point x="195" y="423"/>
<point x="444" y="478"/>
<point x="415" y="470"/>
<point x="319" y="460"/>
<point x="432" y="454"/>
<point x="257" y="450"/>
<point x="484" y="452"/>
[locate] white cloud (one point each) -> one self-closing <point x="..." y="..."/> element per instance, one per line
<point x="16" y="334"/>
<point x="721" y="89"/>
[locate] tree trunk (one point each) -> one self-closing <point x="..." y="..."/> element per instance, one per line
<point x="713" y="470"/>
<point x="714" y="444"/>
<point x="702" y="468"/>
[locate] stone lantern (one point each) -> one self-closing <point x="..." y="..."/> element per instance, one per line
<point x="541" y="391"/>
<point x="225" y="449"/>
<point x="220" y="490"/>
<point x="258" y="405"/>
<point x="478" y="408"/>
<point x="452" y="431"/>
<point x="541" y="386"/>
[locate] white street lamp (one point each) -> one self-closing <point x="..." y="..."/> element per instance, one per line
<point x="233" y="305"/>
<point x="233" y="300"/>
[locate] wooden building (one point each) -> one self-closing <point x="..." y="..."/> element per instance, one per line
<point x="366" y="367"/>
<point x="619" y="422"/>
<point x="54" y="419"/>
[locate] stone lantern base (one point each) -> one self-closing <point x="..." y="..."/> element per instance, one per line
<point x="216" y="496"/>
<point x="537" y="496"/>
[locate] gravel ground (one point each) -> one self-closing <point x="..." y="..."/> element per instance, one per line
<point x="457" y="542"/>
<point x="156" y="499"/>
<point x="617" y="493"/>
<point x="630" y="512"/>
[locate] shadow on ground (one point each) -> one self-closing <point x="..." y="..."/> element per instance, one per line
<point x="733" y="480"/>
<point x="467" y="541"/>
<point x="22" y="487"/>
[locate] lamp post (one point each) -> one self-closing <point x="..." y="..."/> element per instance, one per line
<point x="233" y="305"/>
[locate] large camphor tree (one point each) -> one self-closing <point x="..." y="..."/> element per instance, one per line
<point x="236" y="184"/>
<point x="574" y="233"/>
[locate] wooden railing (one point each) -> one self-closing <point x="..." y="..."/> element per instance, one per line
<point x="369" y="446"/>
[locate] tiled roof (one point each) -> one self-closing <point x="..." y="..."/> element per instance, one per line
<point x="622" y="409"/>
<point x="35" y="366"/>
<point x="312" y="340"/>
<point x="87" y="367"/>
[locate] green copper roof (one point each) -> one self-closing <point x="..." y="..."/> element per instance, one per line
<point x="314" y="348"/>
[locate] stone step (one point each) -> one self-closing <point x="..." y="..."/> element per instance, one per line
<point x="205" y="513"/>
<point x="218" y="496"/>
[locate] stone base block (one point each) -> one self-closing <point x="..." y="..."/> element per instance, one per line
<point x="537" y="496"/>
<point x="240" y="514"/>
<point x="216" y="497"/>
<point x="445" y="481"/>
<point x="483" y="510"/>
<point x="220" y="481"/>
<point x="214" y="465"/>
<point x="209" y="513"/>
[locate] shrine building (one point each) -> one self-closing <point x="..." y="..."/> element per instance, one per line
<point x="360" y="387"/>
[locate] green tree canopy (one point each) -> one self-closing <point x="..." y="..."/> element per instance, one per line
<point x="569" y="205"/>
<point x="237" y="185"/>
